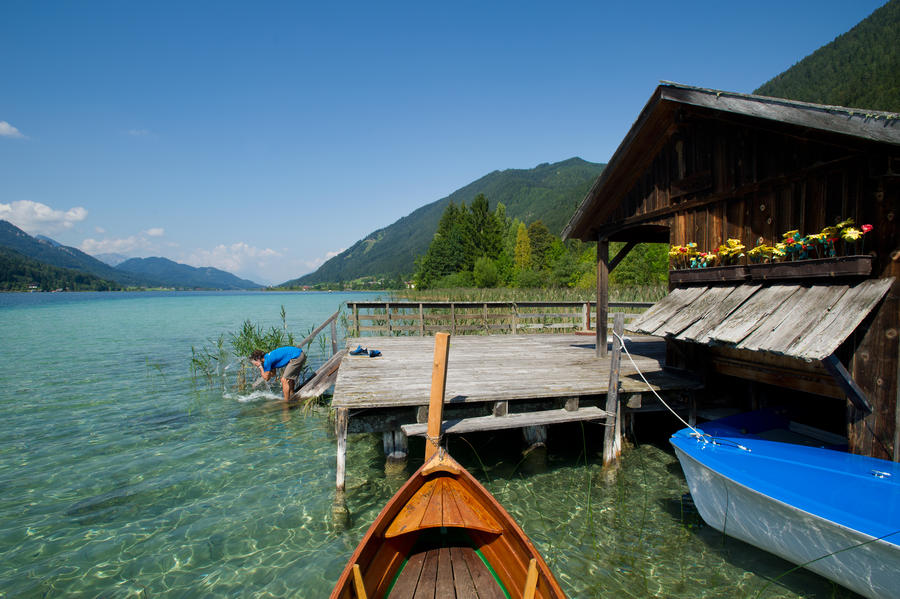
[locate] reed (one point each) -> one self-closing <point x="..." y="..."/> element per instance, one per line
<point x="618" y="293"/>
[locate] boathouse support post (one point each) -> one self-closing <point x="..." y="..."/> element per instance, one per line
<point x="602" y="295"/>
<point x="342" y="418"/>
<point x="612" y="441"/>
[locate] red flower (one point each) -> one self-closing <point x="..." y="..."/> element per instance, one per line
<point x="866" y="228"/>
<point x="833" y="239"/>
<point x="790" y="240"/>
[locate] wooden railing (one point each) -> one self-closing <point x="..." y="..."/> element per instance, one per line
<point x="422" y="318"/>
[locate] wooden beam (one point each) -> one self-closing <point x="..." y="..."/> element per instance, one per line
<point x="612" y="445"/>
<point x="602" y="295"/>
<point x="621" y="255"/>
<point x="843" y="378"/>
<point x="438" y="385"/>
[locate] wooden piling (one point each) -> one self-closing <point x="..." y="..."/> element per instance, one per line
<point x="438" y="385"/>
<point x="612" y="443"/>
<point x="602" y="295"/>
<point x="342" y="418"/>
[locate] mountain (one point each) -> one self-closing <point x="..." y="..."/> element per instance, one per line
<point x="21" y="273"/>
<point x="182" y="275"/>
<point x="50" y="252"/>
<point x="859" y="69"/>
<point x="136" y="272"/>
<point x="110" y="258"/>
<point x="547" y="192"/>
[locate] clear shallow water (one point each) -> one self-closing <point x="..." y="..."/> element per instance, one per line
<point x="122" y="477"/>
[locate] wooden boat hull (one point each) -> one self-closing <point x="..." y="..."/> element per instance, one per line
<point x="836" y="514"/>
<point x="443" y="509"/>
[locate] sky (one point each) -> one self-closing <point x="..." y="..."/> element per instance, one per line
<point x="264" y="137"/>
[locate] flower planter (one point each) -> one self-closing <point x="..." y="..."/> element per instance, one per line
<point x="843" y="266"/>
<point x="713" y="274"/>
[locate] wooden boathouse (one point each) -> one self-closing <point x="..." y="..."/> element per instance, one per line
<point x="700" y="167"/>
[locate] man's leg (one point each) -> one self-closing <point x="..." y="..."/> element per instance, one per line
<point x="287" y="387"/>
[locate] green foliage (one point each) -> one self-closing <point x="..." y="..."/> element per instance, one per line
<point x="463" y="278"/>
<point x="485" y="273"/>
<point x="522" y="248"/>
<point x="858" y="69"/>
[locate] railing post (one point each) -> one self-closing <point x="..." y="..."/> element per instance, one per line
<point x="334" y="342"/>
<point x="356" y="318"/>
<point x="452" y="318"/>
<point x="485" y="323"/>
<point x="421" y="321"/>
<point x="515" y="318"/>
<point x="387" y="309"/>
<point x="586" y="316"/>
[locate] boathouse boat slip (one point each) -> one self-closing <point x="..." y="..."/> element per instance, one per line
<point x="443" y="534"/>
<point x="834" y="513"/>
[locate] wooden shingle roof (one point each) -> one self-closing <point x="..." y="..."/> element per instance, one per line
<point x="798" y="321"/>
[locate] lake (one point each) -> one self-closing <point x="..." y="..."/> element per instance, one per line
<point x="123" y="476"/>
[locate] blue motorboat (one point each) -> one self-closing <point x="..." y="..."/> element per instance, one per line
<point x="833" y="512"/>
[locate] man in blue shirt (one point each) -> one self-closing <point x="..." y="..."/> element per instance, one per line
<point x="288" y="357"/>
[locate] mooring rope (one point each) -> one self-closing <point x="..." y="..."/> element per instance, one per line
<point x="705" y="437"/>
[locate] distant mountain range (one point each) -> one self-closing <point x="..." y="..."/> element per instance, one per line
<point x="547" y="192"/>
<point x="136" y="272"/>
<point x="859" y="69"/>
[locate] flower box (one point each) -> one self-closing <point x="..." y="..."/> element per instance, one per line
<point x="842" y="266"/>
<point x="713" y="274"/>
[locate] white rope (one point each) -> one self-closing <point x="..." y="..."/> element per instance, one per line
<point x="702" y="436"/>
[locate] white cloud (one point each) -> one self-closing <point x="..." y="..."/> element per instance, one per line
<point x="126" y="245"/>
<point x="155" y="232"/>
<point x="36" y="218"/>
<point x="235" y="258"/>
<point x="7" y="130"/>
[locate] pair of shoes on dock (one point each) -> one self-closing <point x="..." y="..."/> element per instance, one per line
<point x="362" y="351"/>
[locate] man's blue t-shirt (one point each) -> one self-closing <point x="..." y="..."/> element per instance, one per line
<point x="279" y="358"/>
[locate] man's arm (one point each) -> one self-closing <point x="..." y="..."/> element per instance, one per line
<point x="265" y="374"/>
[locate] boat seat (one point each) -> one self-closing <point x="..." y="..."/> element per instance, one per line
<point x="442" y="502"/>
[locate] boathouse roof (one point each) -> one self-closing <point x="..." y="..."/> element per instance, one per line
<point x="659" y="120"/>
<point x="797" y="321"/>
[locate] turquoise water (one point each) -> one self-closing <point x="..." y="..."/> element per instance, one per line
<point x="121" y="476"/>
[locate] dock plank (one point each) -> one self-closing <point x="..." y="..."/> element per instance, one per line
<point x="490" y="368"/>
<point x="487" y="423"/>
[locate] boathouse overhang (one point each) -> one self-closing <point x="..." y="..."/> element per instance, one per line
<point x="703" y="166"/>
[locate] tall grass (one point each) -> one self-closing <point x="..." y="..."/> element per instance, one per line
<point x="620" y="293"/>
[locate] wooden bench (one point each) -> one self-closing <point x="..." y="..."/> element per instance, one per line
<point x="487" y="423"/>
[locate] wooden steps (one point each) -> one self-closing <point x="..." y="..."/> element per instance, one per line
<point x="489" y="423"/>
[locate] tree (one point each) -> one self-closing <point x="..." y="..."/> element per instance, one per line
<point x="541" y="240"/>
<point x="485" y="272"/>
<point x="523" y="248"/>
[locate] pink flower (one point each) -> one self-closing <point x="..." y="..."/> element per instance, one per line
<point x="866" y="228"/>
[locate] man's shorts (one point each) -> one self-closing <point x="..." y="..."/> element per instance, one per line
<point x="294" y="368"/>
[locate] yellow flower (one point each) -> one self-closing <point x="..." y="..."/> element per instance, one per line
<point x="851" y="234"/>
<point x="829" y="232"/>
<point x="845" y="223"/>
<point x="789" y="234"/>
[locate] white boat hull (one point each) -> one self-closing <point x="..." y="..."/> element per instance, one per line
<point x="862" y="563"/>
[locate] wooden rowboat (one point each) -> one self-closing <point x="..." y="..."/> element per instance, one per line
<point x="443" y="534"/>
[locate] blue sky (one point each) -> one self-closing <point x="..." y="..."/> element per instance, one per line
<point x="264" y="137"/>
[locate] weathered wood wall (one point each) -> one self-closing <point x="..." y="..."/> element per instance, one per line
<point x="737" y="177"/>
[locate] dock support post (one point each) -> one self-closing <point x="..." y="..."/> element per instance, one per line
<point x="602" y="295"/>
<point x="342" y="418"/>
<point x="395" y="446"/>
<point x="535" y="436"/>
<point x="612" y="441"/>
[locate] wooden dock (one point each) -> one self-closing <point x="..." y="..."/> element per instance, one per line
<point x="493" y="382"/>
